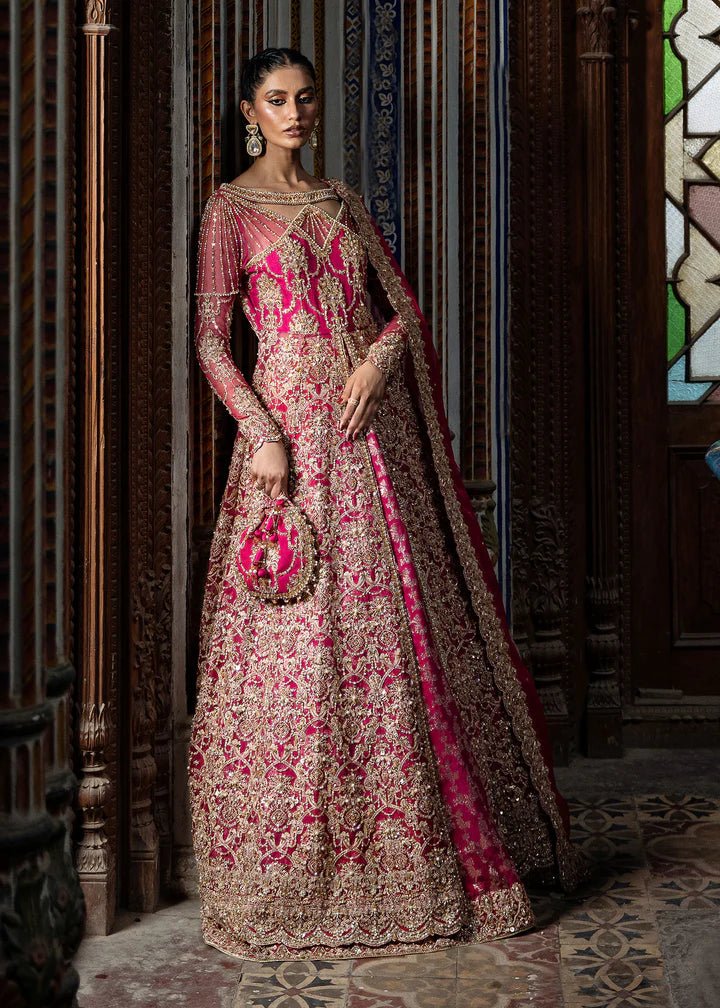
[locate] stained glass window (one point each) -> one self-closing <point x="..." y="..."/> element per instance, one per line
<point x="692" y="198"/>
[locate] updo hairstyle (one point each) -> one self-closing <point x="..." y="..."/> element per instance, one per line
<point x="262" y="65"/>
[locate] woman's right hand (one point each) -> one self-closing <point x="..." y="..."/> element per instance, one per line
<point x="269" y="468"/>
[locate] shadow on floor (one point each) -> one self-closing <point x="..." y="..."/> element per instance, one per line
<point x="644" y="931"/>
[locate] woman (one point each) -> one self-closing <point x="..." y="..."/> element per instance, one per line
<point x="370" y="772"/>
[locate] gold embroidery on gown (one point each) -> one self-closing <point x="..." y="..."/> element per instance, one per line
<point x="365" y="776"/>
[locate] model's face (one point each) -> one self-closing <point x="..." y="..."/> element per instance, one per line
<point x="285" y="107"/>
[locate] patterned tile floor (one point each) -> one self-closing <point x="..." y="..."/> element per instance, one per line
<point x="643" y="933"/>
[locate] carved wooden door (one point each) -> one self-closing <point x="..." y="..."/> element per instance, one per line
<point x="675" y="322"/>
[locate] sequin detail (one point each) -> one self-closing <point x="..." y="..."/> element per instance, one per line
<point x="344" y="747"/>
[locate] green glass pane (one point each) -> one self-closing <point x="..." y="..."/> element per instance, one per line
<point x="675" y="323"/>
<point x="670" y="9"/>
<point x="673" y="78"/>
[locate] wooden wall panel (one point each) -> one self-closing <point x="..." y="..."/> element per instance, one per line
<point x="695" y="496"/>
<point x="149" y="432"/>
<point x="546" y="353"/>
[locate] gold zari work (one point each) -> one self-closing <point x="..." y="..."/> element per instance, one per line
<point x="366" y="776"/>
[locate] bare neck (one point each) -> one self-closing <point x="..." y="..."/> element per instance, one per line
<point x="278" y="169"/>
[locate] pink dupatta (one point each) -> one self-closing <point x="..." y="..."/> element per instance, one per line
<point x="522" y="707"/>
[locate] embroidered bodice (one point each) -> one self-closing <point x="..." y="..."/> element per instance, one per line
<point x="298" y="267"/>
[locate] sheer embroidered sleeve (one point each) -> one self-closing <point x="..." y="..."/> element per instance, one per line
<point x="219" y="271"/>
<point x="388" y="349"/>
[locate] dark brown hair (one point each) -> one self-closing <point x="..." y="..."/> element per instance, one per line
<point x="263" y="63"/>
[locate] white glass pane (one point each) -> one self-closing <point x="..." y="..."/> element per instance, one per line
<point x="694" y="288"/>
<point x="703" y="110"/>
<point x="705" y="354"/>
<point x="701" y="19"/>
<point x="674" y="236"/>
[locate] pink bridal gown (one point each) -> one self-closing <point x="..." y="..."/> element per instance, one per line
<point x="370" y="771"/>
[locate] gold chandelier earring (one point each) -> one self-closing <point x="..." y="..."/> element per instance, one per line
<point x="313" y="138"/>
<point x="253" y="141"/>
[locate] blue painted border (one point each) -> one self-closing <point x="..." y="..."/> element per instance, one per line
<point x="382" y="133"/>
<point x="353" y="93"/>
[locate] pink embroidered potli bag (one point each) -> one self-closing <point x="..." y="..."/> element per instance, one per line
<point x="277" y="555"/>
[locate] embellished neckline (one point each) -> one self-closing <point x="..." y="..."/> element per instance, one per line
<point x="299" y="197"/>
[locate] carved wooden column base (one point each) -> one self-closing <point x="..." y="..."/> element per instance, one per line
<point x="184" y="868"/>
<point x="185" y="876"/>
<point x="145" y="882"/>
<point x="145" y="869"/>
<point x="144" y="888"/>
<point x="99" y="891"/>
<point x="94" y="858"/>
<point x="548" y="659"/>
<point x="604" y="710"/>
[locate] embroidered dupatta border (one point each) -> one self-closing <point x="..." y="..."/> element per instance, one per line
<point x="525" y="710"/>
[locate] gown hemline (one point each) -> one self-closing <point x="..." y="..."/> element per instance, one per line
<point x="342" y="953"/>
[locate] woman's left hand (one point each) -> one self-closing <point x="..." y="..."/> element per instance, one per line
<point x="367" y="385"/>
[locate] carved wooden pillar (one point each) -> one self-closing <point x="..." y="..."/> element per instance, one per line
<point x="604" y="717"/>
<point x="546" y="444"/>
<point x="95" y="858"/>
<point x="149" y="441"/>
<point x="41" y="906"/>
